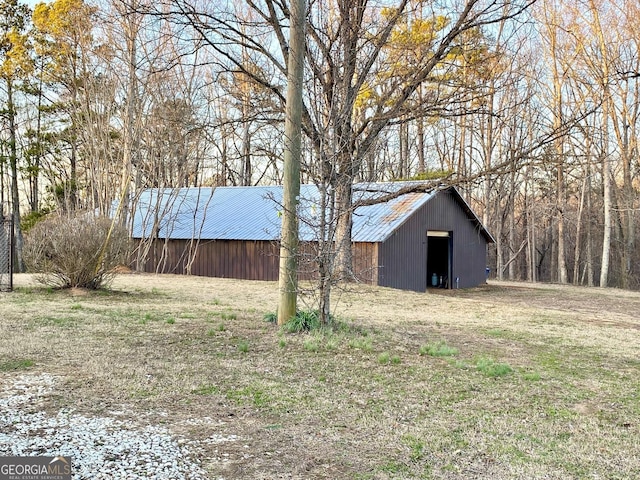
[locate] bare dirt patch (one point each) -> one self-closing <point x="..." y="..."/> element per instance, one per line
<point x="543" y="383"/>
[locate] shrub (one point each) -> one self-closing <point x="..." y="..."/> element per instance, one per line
<point x="80" y="251"/>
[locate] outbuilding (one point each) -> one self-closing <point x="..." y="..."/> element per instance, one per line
<point x="411" y="242"/>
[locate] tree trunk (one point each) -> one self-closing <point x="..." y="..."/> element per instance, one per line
<point x="288" y="275"/>
<point x="344" y="226"/>
<point x="562" y="261"/>
<point x="577" y="253"/>
<point x="606" y="184"/>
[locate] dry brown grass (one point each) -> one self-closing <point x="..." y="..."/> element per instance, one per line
<point x="196" y="355"/>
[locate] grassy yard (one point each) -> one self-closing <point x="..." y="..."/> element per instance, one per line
<point x="507" y="381"/>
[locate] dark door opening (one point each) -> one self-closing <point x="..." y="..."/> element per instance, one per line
<point x="439" y="259"/>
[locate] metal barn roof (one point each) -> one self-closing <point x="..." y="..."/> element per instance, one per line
<point x="254" y="213"/>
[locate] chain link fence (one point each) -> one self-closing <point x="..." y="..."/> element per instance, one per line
<point x="6" y="254"/>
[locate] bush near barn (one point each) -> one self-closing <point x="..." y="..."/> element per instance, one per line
<point x="76" y="252"/>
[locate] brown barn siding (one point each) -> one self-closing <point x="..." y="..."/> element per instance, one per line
<point x="365" y="262"/>
<point x="250" y="260"/>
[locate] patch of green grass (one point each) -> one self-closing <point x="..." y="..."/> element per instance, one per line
<point x="63" y="322"/>
<point x="142" y="393"/>
<point x="76" y="306"/>
<point x="282" y="343"/>
<point x="531" y="376"/>
<point x="25" y="290"/>
<point x="497" y="333"/>
<point x="149" y="317"/>
<point x="332" y="342"/>
<point x="243" y="346"/>
<point x="311" y="344"/>
<point x="14" y="365"/>
<point x="211" y="316"/>
<point x="212" y="332"/>
<point x="206" y="390"/>
<point x="415" y="445"/>
<point x="438" y="349"/>
<point x="395" y="360"/>
<point x="271" y="317"/>
<point x="361" y="343"/>
<point x="394" y="467"/>
<point x="490" y="368"/>
<point x="250" y="394"/>
<point x="384" y="358"/>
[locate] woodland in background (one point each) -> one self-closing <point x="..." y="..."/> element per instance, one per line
<point x="531" y="110"/>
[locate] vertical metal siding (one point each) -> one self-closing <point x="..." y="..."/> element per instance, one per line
<point x="469" y="244"/>
<point x="403" y="256"/>
<point x="250" y="260"/>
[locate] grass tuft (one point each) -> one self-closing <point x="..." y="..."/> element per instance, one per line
<point x="14" y="365"/>
<point x="384" y="358"/>
<point x="416" y="447"/>
<point x="311" y="345"/>
<point x="361" y="343"/>
<point x="438" y="349"/>
<point x="489" y="367"/>
<point x="531" y="376"/>
<point x="206" y="389"/>
<point x="304" y="321"/>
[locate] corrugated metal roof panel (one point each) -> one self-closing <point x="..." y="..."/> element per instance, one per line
<point x="252" y="213"/>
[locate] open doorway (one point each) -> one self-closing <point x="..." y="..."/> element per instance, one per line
<point x="439" y="246"/>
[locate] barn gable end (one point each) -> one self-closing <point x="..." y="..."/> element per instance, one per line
<point x="403" y="256"/>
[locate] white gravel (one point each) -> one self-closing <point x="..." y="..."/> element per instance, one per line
<point x="101" y="447"/>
